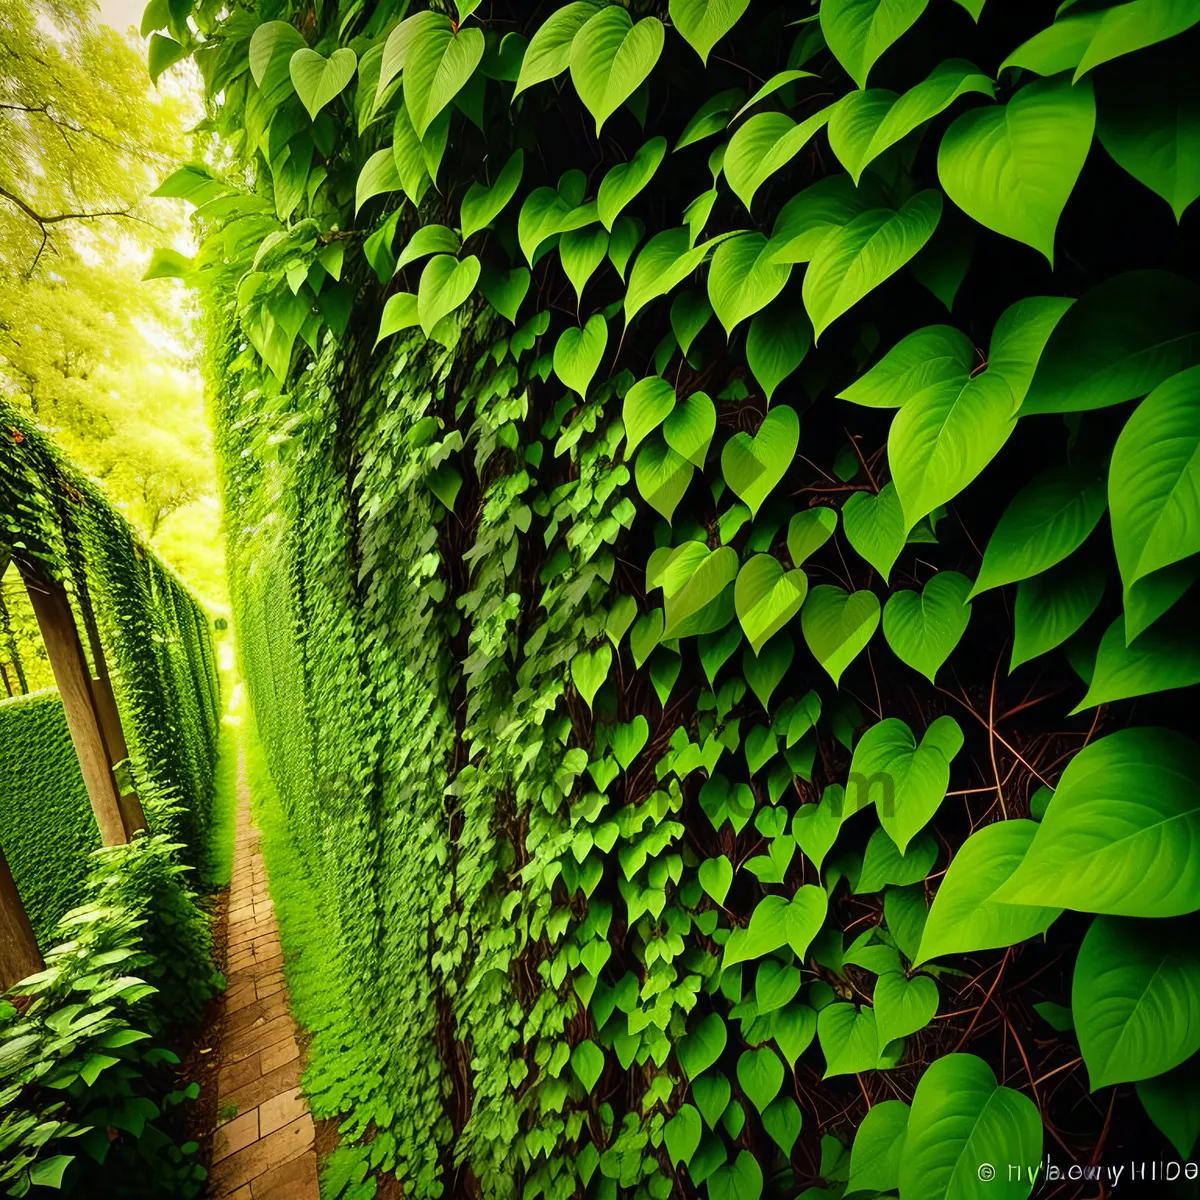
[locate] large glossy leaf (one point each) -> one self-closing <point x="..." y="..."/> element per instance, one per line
<point x="1153" y="132"/>
<point x="740" y="1180"/>
<point x="946" y="434"/>
<point x="438" y="62"/>
<point x="764" y="144"/>
<point x="1132" y="26"/>
<point x="923" y="361"/>
<point x="1122" y="833"/>
<point x="378" y="175"/>
<point x="923" y="627"/>
<point x="742" y="279"/>
<point x="837" y="625"/>
<point x="1119" y="341"/>
<point x="1046" y="520"/>
<point x="960" y="1120"/>
<point x="271" y="49"/>
<point x="766" y="598"/>
<point x="482" y="205"/>
<point x="1154" y="480"/>
<point x="855" y="259"/>
<point x="753" y="464"/>
<point x="865" y="124"/>
<point x="810" y="215"/>
<point x="1013" y="167"/>
<point x="1136" y="999"/>
<point x="909" y="781"/>
<point x="578" y="352"/>
<point x="1163" y="657"/>
<point x="610" y="57"/>
<point x="875" y="1155"/>
<point x="682" y="1134"/>
<point x="624" y="181"/>
<point x="1053" y="606"/>
<point x="965" y="917"/>
<point x="713" y="116"/>
<point x="666" y="260"/>
<point x="702" y="23"/>
<point x="1172" y="1102"/>
<point x="428" y="239"/>
<point x="549" y="51"/>
<point x="318" y="80"/>
<point x="859" y="31"/>
<point x="445" y="284"/>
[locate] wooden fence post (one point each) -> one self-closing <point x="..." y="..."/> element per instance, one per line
<point x="57" y="625"/>
<point x="19" y="953"/>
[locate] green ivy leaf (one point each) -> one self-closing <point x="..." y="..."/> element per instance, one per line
<point x="378" y="175"/>
<point x="743" y="279"/>
<point x="1165" y="656"/>
<point x="1013" y="167"/>
<point x="960" y="1119"/>
<point x="854" y="260"/>
<point x="626" y="180"/>
<point x="775" y="985"/>
<point x="837" y="625"/>
<point x="1119" y="341"/>
<point x="793" y="1029"/>
<point x="765" y="670"/>
<point x="610" y="57"/>
<point x="646" y="405"/>
<point x="702" y="1047"/>
<point x="428" y="239"/>
<point x="549" y="50"/>
<point x="589" y="670"/>
<point x="883" y="864"/>
<point x="715" y="875"/>
<point x="1099" y="847"/>
<point x="711" y="117"/>
<point x="903" y="1006"/>
<point x="777" y="81"/>
<point x="776" y="344"/>
<point x="505" y="293"/>
<point x="1136" y="999"/>
<point x="445" y="284"/>
<point x="766" y="598"/>
<point x="865" y="124"/>
<point x="809" y="216"/>
<point x="629" y="740"/>
<point x="703" y="23"/>
<point x="1154" y="480"/>
<point x="318" y="80"/>
<point x="859" y="31"/>
<point x="587" y="1061"/>
<point x="578" y="352"/>
<point x="849" y="1039"/>
<point x="923" y="362"/>
<point x="923" y="627"/>
<point x="689" y="428"/>
<point x="271" y="48"/>
<point x="1053" y="606"/>
<point x="682" y="1134"/>
<point x="701" y="578"/>
<point x="400" y="312"/>
<point x="760" y="1074"/>
<point x="1046" y="520"/>
<point x="662" y="476"/>
<point x="875" y="1155"/>
<point x="766" y="143"/>
<point x="482" y="205"/>
<point x="547" y="211"/>
<point x="752" y="465"/>
<point x="781" y="1119"/>
<point x="438" y="62"/>
<point x="874" y="526"/>
<point x="778" y="922"/>
<point x="808" y="531"/>
<point x="742" y="1180"/>
<point x="1172" y="1102"/>
<point x="666" y="260"/>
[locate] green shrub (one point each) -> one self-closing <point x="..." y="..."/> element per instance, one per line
<point x="691" y="510"/>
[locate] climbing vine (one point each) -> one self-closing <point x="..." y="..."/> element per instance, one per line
<point x="713" y="496"/>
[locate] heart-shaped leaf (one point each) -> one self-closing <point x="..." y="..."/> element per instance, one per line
<point x="875" y="1156"/>
<point x="505" y="293"/>
<point x="400" y="312"/>
<point x="711" y="1093"/>
<point x="775" y="985"/>
<point x="753" y="465"/>
<point x="547" y="211"/>
<point x="716" y="874"/>
<point x="698" y="578"/>
<point x="549" y="51"/>
<point x="587" y="1061"/>
<point x="429" y="239"/>
<point x="578" y="352"/>
<point x="815" y="826"/>
<point x="760" y="1074"/>
<point x="581" y="252"/>
<point x="482" y="205"/>
<point x="716" y="650"/>
<point x="849" y="1039"/>
<point x="445" y="284"/>
<point x="965" y="917"/>
<point x="610" y="57"/>
<point x="647" y="404"/>
<point x="1053" y="606"/>
<point x="837" y="625"/>
<point x="438" y="62"/>
<point x="765" y="669"/>
<point x="781" y="1119"/>
<point x="702" y="23"/>
<point x="667" y="259"/>
<point x="856" y="258"/>
<point x="808" y="531"/>
<point x="624" y="181"/>
<point x="764" y="144"/>
<point x="1013" y="167"/>
<point x="589" y="670"/>
<point x="318" y="80"/>
<point x="698" y="1049"/>
<point x="874" y="526"/>
<point x="689" y="429"/>
<point x="743" y="279"/>
<point x="859" y="31"/>
<point x="662" y="476"/>
<point x="682" y="1134"/>
<point x="923" y="627"/>
<point x="767" y="598"/>
<point x="645" y="635"/>
<point x="628" y="740"/>
<point x="902" y="1005"/>
<point x="740" y="1180"/>
<point x="793" y="1029"/>
<point x="776" y="344"/>
<point x="778" y="922"/>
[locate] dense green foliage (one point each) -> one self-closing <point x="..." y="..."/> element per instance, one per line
<point x="87" y="1084"/>
<point x="638" y="471"/>
<point x="46" y="822"/>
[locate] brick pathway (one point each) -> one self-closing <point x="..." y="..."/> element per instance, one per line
<point x="264" y="1149"/>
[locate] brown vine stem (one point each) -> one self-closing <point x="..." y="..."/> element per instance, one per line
<point x="974" y="1020"/>
<point x="992" y="740"/>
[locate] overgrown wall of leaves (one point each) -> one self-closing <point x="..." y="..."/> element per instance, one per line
<point x="46" y="825"/>
<point x="156" y="636"/>
<point x="713" y="495"/>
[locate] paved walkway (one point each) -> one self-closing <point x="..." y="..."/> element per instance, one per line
<point x="264" y="1148"/>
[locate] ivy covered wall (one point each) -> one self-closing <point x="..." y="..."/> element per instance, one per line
<point x="713" y="506"/>
<point x="46" y="823"/>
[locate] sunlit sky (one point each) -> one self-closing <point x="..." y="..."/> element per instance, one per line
<point x="122" y="13"/>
